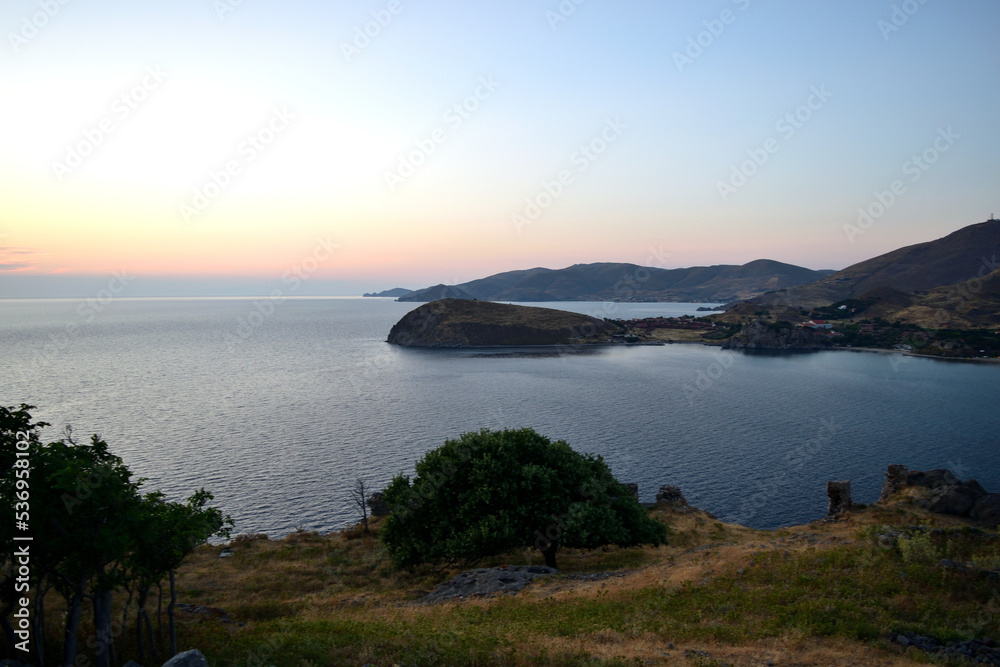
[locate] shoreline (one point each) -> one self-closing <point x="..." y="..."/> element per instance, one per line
<point x="719" y="344"/>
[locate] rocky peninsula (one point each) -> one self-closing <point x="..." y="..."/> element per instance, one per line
<point x="455" y="323"/>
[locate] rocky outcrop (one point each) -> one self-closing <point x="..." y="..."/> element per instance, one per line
<point x="987" y="509"/>
<point x="957" y="499"/>
<point x="932" y="479"/>
<point x="945" y="494"/>
<point x="192" y="658"/>
<point x="487" y="581"/>
<point x="464" y="323"/>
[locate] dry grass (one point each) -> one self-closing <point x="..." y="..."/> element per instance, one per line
<point x="718" y="594"/>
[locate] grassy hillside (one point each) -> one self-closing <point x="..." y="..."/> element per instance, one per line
<point x="827" y="593"/>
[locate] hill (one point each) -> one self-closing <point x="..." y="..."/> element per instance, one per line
<point x="395" y="292"/>
<point x="467" y="323"/>
<point x="970" y="304"/>
<point x="607" y="281"/>
<point x="964" y="255"/>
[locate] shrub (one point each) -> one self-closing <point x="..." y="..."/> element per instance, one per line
<point x="489" y="492"/>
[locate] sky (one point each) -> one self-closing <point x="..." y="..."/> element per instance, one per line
<point x="228" y="146"/>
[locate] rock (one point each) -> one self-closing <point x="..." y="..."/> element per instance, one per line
<point x="210" y="612"/>
<point x="932" y="479"/>
<point x="633" y="489"/>
<point x="839" y="494"/>
<point x="486" y="581"/>
<point x="377" y="504"/>
<point x="670" y="494"/>
<point x="895" y="481"/>
<point x="192" y="658"/>
<point x="987" y="509"/>
<point x="958" y="499"/>
<point x="132" y="663"/>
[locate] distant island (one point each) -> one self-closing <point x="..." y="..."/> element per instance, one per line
<point x="454" y="323"/>
<point x="395" y="293"/>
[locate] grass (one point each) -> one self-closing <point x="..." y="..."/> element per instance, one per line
<point x="822" y="594"/>
<point x="718" y="594"/>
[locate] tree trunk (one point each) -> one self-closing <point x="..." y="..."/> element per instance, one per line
<point x="139" y="643"/>
<point x="155" y="652"/>
<point x="170" y="614"/>
<point x="159" y="610"/>
<point x="128" y="603"/>
<point x="72" y="625"/>
<point x="8" y="631"/>
<point x="39" y="626"/>
<point x="550" y="554"/>
<point x="102" y="626"/>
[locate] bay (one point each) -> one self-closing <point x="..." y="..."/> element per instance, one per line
<point x="277" y="406"/>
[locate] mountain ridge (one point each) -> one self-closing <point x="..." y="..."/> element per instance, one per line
<point x="622" y="281"/>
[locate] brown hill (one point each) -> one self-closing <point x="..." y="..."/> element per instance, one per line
<point x="467" y="323"/>
<point x="609" y="281"/>
<point x="970" y="304"/>
<point x="964" y="255"/>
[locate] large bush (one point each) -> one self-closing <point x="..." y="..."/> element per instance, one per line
<point x="489" y="492"/>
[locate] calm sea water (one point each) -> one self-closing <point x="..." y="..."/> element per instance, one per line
<point x="276" y="408"/>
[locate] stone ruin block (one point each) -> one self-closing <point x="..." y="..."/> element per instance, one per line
<point x="839" y="494"/>
<point x="896" y="478"/>
<point x="671" y="494"/>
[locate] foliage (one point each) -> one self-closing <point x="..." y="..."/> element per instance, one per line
<point x="918" y="549"/>
<point x="489" y="492"/>
<point x="93" y="531"/>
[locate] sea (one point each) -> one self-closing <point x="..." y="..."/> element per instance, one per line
<point x="277" y="406"/>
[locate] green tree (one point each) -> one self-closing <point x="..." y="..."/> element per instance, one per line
<point x="489" y="492"/>
<point x="93" y="532"/>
